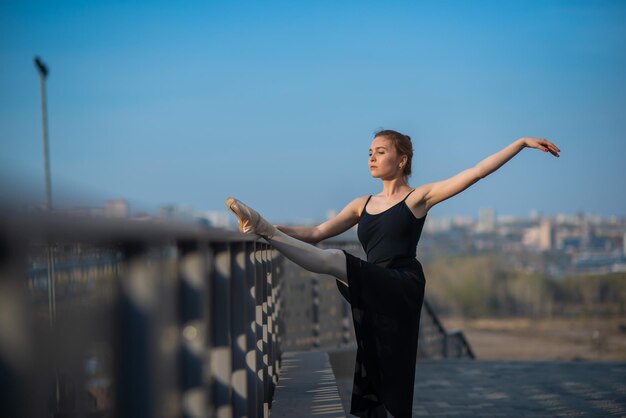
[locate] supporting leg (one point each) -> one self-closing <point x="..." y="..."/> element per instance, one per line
<point x="318" y="260"/>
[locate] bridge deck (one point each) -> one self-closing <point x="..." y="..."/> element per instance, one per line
<point x="306" y="387"/>
<point x="487" y="388"/>
<point x="460" y="387"/>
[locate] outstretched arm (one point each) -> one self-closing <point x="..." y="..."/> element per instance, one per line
<point x="439" y="191"/>
<point x="347" y="218"/>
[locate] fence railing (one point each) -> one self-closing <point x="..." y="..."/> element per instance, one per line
<point x="332" y="320"/>
<point x="124" y="318"/>
<point x="437" y="342"/>
<point x="128" y="318"/>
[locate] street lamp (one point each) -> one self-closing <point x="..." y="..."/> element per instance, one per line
<point x="43" y="73"/>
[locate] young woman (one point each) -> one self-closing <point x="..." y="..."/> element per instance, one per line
<point x="386" y="292"/>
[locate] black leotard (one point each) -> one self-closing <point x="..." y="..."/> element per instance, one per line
<point x="390" y="235"/>
<point x="386" y="294"/>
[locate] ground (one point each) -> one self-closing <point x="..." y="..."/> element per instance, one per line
<point x="543" y="339"/>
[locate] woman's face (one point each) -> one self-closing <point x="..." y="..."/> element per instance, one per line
<point x="384" y="161"/>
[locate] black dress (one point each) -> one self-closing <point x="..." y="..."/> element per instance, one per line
<point x="386" y="293"/>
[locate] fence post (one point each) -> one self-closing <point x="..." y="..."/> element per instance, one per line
<point x="263" y="410"/>
<point x="238" y="330"/>
<point x="251" y="335"/>
<point x="194" y="313"/>
<point x="265" y="346"/>
<point x="316" y="310"/>
<point x="135" y="343"/>
<point x="220" y="319"/>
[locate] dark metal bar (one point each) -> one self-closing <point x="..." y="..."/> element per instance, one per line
<point x="16" y="356"/>
<point x="263" y="408"/>
<point x="315" y="307"/>
<point x="238" y="330"/>
<point x="265" y="342"/>
<point x="277" y="286"/>
<point x="270" y="325"/>
<point x="274" y="308"/>
<point x="194" y="313"/>
<point x="251" y="335"/>
<point x="138" y="301"/>
<point x="220" y="342"/>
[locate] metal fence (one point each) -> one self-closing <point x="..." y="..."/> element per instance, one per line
<point x="437" y="342"/>
<point x="318" y="317"/>
<point x="104" y="318"/>
<point x="128" y="318"/>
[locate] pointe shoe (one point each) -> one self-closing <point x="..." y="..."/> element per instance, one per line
<point x="249" y="220"/>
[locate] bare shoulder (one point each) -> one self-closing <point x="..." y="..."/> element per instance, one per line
<point x="358" y="204"/>
<point x="417" y="201"/>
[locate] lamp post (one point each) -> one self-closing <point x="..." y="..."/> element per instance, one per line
<point x="43" y="73"/>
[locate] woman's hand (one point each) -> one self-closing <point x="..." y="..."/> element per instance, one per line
<point x="542" y="144"/>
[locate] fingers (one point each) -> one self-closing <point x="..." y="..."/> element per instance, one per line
<point x="548" y="146"/>
<point x="552" y="146"/>
<point x="554" y="150"/>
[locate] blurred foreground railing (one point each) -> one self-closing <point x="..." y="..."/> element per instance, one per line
<point x="144" y="319"/>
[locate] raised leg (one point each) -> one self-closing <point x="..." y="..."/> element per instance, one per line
<point x="318" y="260"/>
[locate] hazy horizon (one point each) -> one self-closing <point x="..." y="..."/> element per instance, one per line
<point x="276" y="103"/>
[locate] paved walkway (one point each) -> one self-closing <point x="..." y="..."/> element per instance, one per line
<point x="520" y="388"/>
<point x="507" y="389"/>
<point x="463" y="388"/>
<point x="306" y="387"/>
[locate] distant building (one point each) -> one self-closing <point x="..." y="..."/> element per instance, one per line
<point x="532" y="237"/>
<point x="183" y="213"/>
<point x="462" y="221"/>
<point x="486" y="220"/>
<point x="176" y="213"/>
<point x="436" y="224"/>
<point x="546" y="235"/>
<point x="215" y="219"/>
<point x="86" y="211"/>
<point x="166" y="211"/>
<point x="116" y="208"/>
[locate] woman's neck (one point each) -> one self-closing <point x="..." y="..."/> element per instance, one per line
<point x="394" y="186"/>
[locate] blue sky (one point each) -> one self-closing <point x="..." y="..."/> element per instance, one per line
<point x="276" y="102"/>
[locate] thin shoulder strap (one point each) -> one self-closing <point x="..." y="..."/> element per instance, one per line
<point x="366" y="202"/>
<point x="408" y="195"/>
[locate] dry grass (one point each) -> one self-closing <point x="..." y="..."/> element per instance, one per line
<point x="543" y="338"/>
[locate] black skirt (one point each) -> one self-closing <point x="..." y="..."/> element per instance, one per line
<point x="386" y="301"/>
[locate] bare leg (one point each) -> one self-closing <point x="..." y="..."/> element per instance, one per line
<point x="318" y="260"/>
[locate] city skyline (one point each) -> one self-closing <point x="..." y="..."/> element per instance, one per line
<point x="276" y="104"/>
<point x="485" y="216"/>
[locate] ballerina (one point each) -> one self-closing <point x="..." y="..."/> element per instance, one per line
<point x="386" y="291"/>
